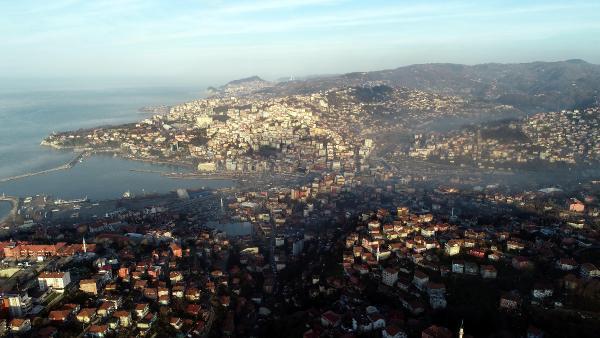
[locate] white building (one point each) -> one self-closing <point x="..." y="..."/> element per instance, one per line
<point x="420" y="280"/>
<point x="19" y="304"/>
<point x="56" y="280"/>
<point x="207" y="166"/>
<point x="542" y="291"/>
<point x="389" y="276"/>
<point x="452" y="248"/>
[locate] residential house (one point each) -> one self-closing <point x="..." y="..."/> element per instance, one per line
<point x="330" y="319"/>
<point x="19" y="325"/>
<point x="86" y="315"/>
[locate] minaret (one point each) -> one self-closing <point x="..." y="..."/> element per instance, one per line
<point x="84" y="246"/>
<point x="461" y="332"/>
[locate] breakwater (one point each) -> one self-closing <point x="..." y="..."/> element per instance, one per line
<point x="65" y="166"/>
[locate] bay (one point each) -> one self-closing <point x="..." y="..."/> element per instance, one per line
<point x="26" y="117"/>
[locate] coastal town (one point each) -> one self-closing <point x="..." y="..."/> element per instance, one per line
<point x="299" y="169"/>
<point x="331" y="130"/>
<point x="566" y="137"/>
<point x="341" y="255"/>
<point x="347" y="220"/>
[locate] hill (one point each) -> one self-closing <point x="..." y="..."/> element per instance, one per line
<point x="251" y="79"/>
<point x="531" y="87"/>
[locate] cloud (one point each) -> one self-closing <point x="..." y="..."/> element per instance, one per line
<point x="215" y="24"/>
<point x="137" y="36"/>
<point x="270" y="5"/>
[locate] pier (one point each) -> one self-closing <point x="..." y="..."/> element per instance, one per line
<point x="65" y="166"/>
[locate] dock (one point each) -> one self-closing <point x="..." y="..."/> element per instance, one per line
<point x="65" y="166"/>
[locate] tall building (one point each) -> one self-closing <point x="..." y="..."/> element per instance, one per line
<point x="389" y="276"/>
<point x="19" y="304"/>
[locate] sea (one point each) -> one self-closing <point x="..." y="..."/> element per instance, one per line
<point x="27" y="116"/>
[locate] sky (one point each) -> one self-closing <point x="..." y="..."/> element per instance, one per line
<point x="209" y="42"/>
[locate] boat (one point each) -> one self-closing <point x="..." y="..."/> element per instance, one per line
<point x="79" y="200"/>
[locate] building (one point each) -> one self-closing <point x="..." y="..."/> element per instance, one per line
<point x="566" y="264"/>
<point x="488" y="272"/>
<point x="437" y="302"/>
<point x="176" y="323"/>
<point x="389" y="276"/>
<point x="471" y="268"/>
<point x="420" y="280"/>
<point x="452" y="248"/>
<point x="589" y="270"/>
<point x="435" y="331"/>
<point x="88" y="286"/>
<point x="19" y="325"/>
<point x="141" y="310"/>
<point x="297" y="247"/>
<point x="98" y="331"/>
<point x="392" y="331"/>
<point x="124" y="317"/>
<point x="458" y="266"/>
<point x="176" y="250"/>
<point x="520" y="263"/>
<point x="19" y="304"/>
<point x="59" y="316"/>
<point x="330" y="319"/>
<point x="42" y="251"/>
<point x="541" y="291"/>
<point x="510" y="301"/>
<point x="58" y="281"/>
<point x="86" y="315"/>
<point x="207" y="167"/>
<point x="576" y="205"/>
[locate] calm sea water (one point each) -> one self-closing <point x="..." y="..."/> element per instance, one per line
<point x="26" y="117"/>
<point x="4" y="208"/>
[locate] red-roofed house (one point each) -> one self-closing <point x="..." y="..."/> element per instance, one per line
<point x="330" y="319"/>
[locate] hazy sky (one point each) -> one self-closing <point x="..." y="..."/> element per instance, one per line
<point x="211" y="42"/>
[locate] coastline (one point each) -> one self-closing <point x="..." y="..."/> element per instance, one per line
<point x="192" y="175"/>
<point x="117" y="152"/>
<point x="14" y="201"/>
<point x="64" y="183"/>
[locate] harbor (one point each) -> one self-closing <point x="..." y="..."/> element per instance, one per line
<point x="104" y="177"/>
